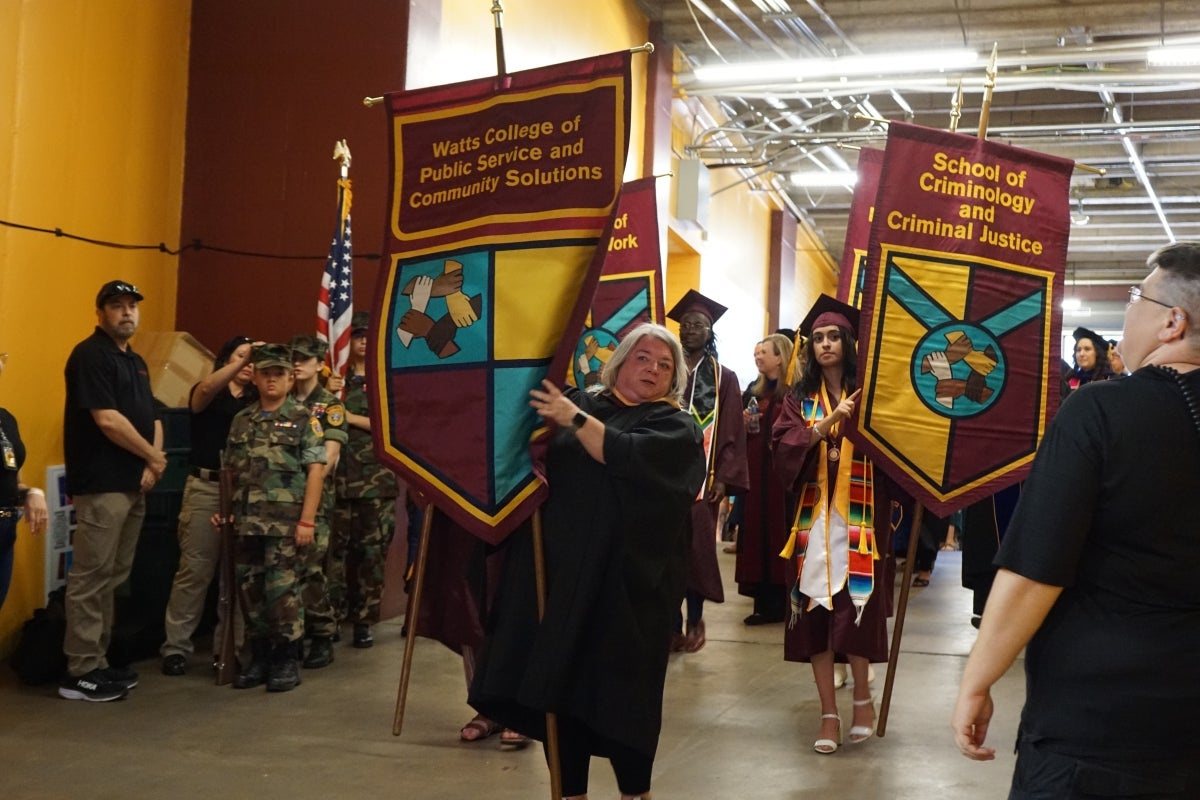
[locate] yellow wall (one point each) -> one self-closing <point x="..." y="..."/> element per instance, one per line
<point x="536" y="33"/>
<point x="92" y="101"/>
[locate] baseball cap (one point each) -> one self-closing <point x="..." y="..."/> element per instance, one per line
<point x="117" y="289"/>
<point x="272" y="355"/>
<point x="308" y="346"/>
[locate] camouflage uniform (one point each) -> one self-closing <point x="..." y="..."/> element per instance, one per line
<point x="269" y="453"/>
<point x="319" y="618"/>
<point x="363" y="521"/>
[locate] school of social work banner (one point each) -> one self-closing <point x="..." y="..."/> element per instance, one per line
<point x="501" y="190"/>
<point x="961" y="317"/>
<point x="630" y="288"/>
<point x="852" y="277"/>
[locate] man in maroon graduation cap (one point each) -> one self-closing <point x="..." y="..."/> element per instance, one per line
<point x="714" y="400"/>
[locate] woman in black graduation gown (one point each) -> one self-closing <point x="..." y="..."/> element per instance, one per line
<point x="623" y="467"/>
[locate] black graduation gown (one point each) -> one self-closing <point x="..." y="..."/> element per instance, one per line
<point x="616" y="541"/>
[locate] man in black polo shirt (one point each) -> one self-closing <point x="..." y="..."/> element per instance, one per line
<point x="113" y="447"/>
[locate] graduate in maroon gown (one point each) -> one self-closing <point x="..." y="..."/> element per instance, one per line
<point x="713" y="398"/>
<point x="763" y="532"/>
<point x="841" y="538"/>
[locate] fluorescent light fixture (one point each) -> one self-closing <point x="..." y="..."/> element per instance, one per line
<point x="821" y="180"/>
<point x="1173" y="56"/>
<point x="922" y="62"/>
<point x="1071" y="304"/>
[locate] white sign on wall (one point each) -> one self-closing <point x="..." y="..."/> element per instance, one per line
<point x="60" y="535"/>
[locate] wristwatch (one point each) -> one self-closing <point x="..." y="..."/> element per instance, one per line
<point x="578" y="421"/>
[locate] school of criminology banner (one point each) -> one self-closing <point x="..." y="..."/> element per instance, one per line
<point x="852" y="276"/>
<point x="959" y="337"/>
<point x="501" y="191"/>
<point x="630" y="288"/>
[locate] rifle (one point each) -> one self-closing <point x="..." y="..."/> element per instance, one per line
<point x="227" y="602"/>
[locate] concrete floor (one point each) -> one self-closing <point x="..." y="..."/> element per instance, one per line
<point x="739" y="722"/>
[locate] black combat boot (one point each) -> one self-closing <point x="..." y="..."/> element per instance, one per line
<point x="362" y="635"/>
<point x="320" y="653"/>
<point x="260" y="665"/>
<point x="285" y="668"/>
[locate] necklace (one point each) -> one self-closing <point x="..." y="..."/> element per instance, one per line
<point x="1189" y="397"/>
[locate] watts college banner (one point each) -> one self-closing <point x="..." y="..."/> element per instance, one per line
<point x="961" y="317"/>
<point x="852" y="277"/>
<point x="501" y="190"/>
<point x="630" y="288"/>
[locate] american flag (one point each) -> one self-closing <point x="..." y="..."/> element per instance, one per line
<point x="335" y="301"/>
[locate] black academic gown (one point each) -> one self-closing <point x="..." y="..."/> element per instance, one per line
<point x="616" y="541"/>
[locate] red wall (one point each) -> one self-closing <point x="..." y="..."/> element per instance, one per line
<point x="272" y="86"/>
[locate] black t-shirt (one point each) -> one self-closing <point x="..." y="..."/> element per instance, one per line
<point x="8" y="477"/>
<point x="1111" y="512"/>
<point x="102" y="376"/>
<point x="210" y="427"/>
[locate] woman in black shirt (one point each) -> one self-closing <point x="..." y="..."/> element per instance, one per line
<point x="15" y="497"/>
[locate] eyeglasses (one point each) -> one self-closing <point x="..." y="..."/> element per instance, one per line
<point x="693" y="326"/>
<point x="1135" y="294"/>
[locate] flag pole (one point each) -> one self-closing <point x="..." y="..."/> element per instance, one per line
<point x="498" y="13"/>
<point x="539" y="571"/>
<point x="410" y="619"/>
<point x="989" y="83"/>
<point x="898" y="628"/>
<point x="956" y="108"/>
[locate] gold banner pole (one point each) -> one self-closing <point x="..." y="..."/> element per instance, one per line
<point x="989" y="83"/>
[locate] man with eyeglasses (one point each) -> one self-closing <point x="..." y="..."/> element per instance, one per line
<point x="1097" y="576"/>
<point x="113" y="446"/>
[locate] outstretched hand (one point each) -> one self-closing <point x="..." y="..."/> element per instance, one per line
<point x="550" y="403"/>
<point x="845" y="408"/>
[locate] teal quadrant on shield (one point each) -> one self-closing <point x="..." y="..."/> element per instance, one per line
<point x="461" y="323"/>
<point x="513" y="423"/>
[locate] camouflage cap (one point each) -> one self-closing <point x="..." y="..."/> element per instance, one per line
<point x="308" y="346"/>
<point x="359" y="323"/>
<point x="271" y="355"/>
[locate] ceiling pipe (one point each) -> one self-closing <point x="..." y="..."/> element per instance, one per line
<point x="1135" y="161"/>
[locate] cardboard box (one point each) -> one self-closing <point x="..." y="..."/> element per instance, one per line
<point x="177" y="361"/>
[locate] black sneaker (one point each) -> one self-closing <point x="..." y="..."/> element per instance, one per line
<point x="174" y="664"/>
<point x="94" y="686"/>
<point x="121" y="676"/>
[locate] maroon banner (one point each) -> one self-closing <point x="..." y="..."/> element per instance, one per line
<point x="630" y="288"/>
<point x="852" y="277"/>
<point x="959" y="336"/>
<point x="502" y="197"/>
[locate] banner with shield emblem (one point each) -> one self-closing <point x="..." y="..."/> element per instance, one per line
<point x="960" y="315"/>
<point x="630" y="288"/>
<point x="502" y="190"/>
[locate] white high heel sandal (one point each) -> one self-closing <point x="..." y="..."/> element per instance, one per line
<point x="829" y="746"/>
<point x="860" y="733"/>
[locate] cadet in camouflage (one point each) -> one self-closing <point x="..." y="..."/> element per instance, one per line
<point x="320" y="624"/>
<point x="276" y="453"/>
<point x="365" y="515"/>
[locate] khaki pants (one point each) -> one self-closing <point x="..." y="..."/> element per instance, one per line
<point x="105" y="542"/>
<point x="199" y="554"/>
